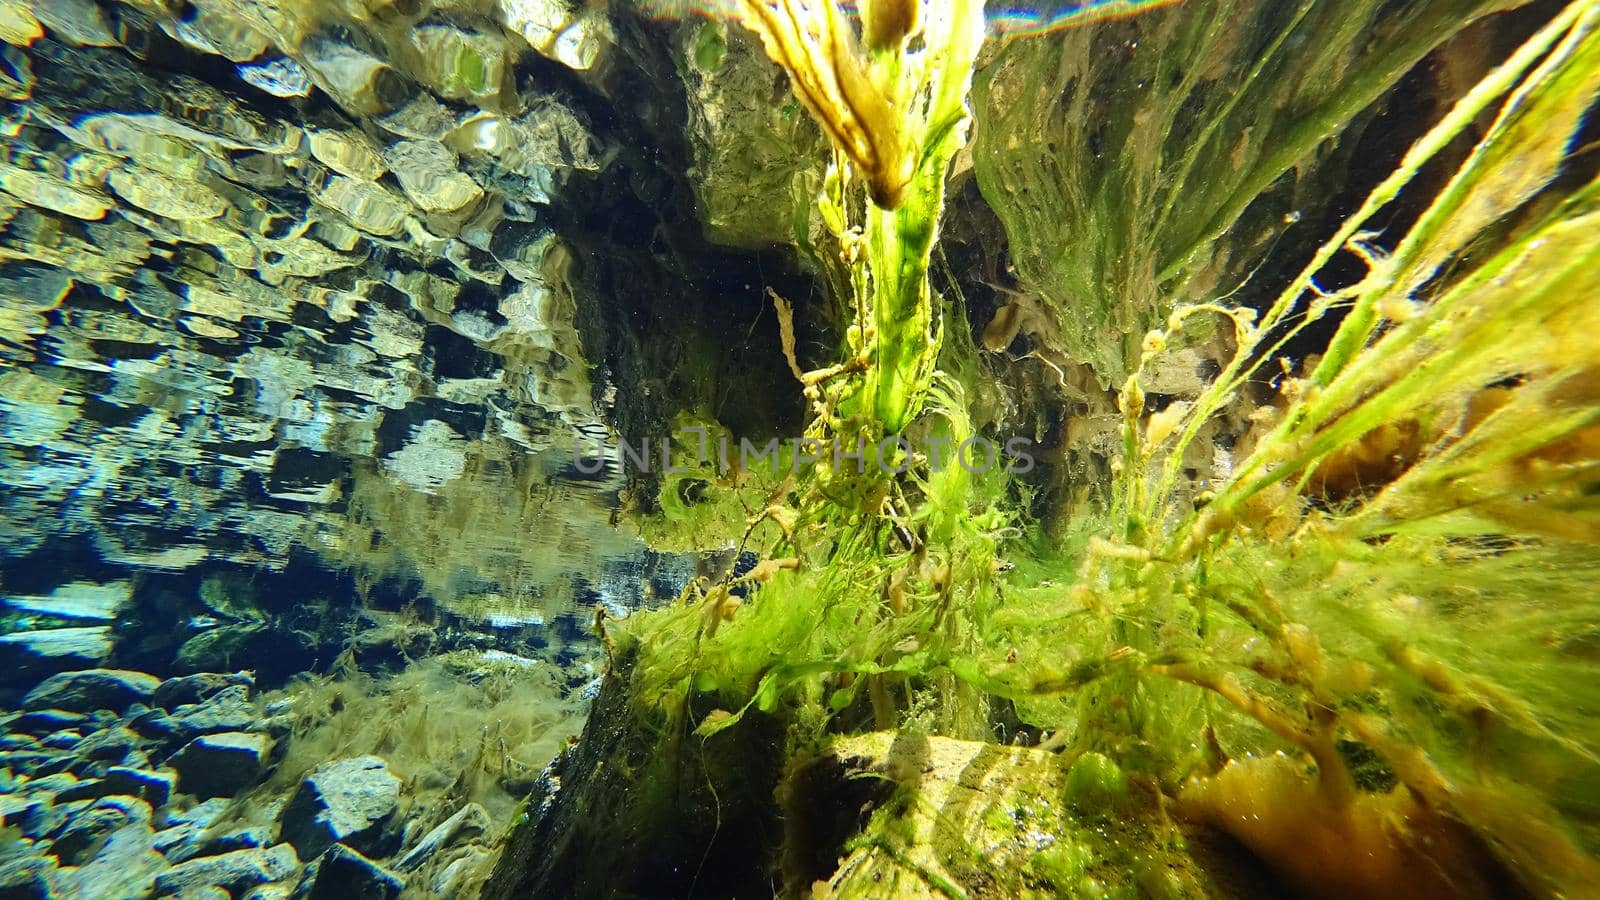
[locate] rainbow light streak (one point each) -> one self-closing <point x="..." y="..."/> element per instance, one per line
<point x="1006" y="20"/>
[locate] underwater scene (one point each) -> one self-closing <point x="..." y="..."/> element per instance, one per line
<point x="799" y="448"/>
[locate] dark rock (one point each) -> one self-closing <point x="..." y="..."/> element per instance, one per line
<point x="344" y="874"/>
<point x="108" y="744"/>
<point x="236" y="871"/>
<point x="126" y="866"/>
<point x="571" y="838"/>
<point x="186" y="689"/>
<point x="156" y="725"/>
<point x="273" y="651"/>
<point x="350" y="801"/>
<point x="221" y="765"/>
<point x="46" y="721"/>
<point x="33" y="762"/>
<point x="91" y="689"/>
<point x="154" y="788"/>
<point x="84" y="789"/>
<point x="83" y="835"/>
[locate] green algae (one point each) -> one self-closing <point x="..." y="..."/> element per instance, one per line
<point x="1430" y="629"/>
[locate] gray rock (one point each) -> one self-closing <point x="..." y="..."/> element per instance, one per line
<point x="34" y="762"/>
<point x="201" y="815"/>
<point x="78" y="21"/>
<point x="280" y="77"/>
<point x="207" y="892"/>
<point x="126" y="866"/>
<point x="80" y="600"/>
<point x="240" y="839"/>
<point x="186" y="689"/>
<point x="27" y="877"/>
<point x="279" y="727"/>
<point x="228" y="710"/>
<point x="344" y="874"/>
<point x="156" y="725"/>
<point x="52" y="650"/>
<point x="35" y="816"/>
<point x="84" y="834"/>
<point x="90" y="689"/>
<point x="47" y="721"/>
<point x="108" y="744"/>
<point x="236" y="871"/>
<point x="179" y="842"/>
<point x="282" y="890"/>
<point x="221" y="765"/>
<point x="350" y="801"/>
<point x="28" y="761"/>
<point x="62" y="740"/>
<point x="154" y="788"/>
<point x="55" y="783"/>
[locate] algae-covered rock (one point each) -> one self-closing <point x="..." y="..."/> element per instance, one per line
<point x="624" y="813"/>
<point x="912" y="815"/>
<point x="1148" y="139"/>
<point x="751" y="143"/>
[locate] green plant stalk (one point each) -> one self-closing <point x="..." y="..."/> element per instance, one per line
<point x="900" y="241"/>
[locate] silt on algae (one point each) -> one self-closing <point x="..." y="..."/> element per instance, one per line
<point x="1367" y="653"/>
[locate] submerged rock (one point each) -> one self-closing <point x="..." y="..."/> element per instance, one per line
<point x="92" y="689"/>
<point x="34" y="815"/>
<point x="470" y="819"/>
<point x="47" y="721"/>
<point x="228" y="710"/>
<point x="154" y="787"/>
<point x="85" y="832"/>
<point x="344" y="874"/>
<point x="80" y="600"/>
<point x="221" y="765"/>
<point x="28" y="877"/>
<point x="349" y="801"/>
<point x="185" y="689"/>
<point x="51" y="650"/>
<point x="108" y="744"/>
<point x="236" y="871"/>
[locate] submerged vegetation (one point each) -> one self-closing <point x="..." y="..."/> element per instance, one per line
<point x="1364" y="642"/>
